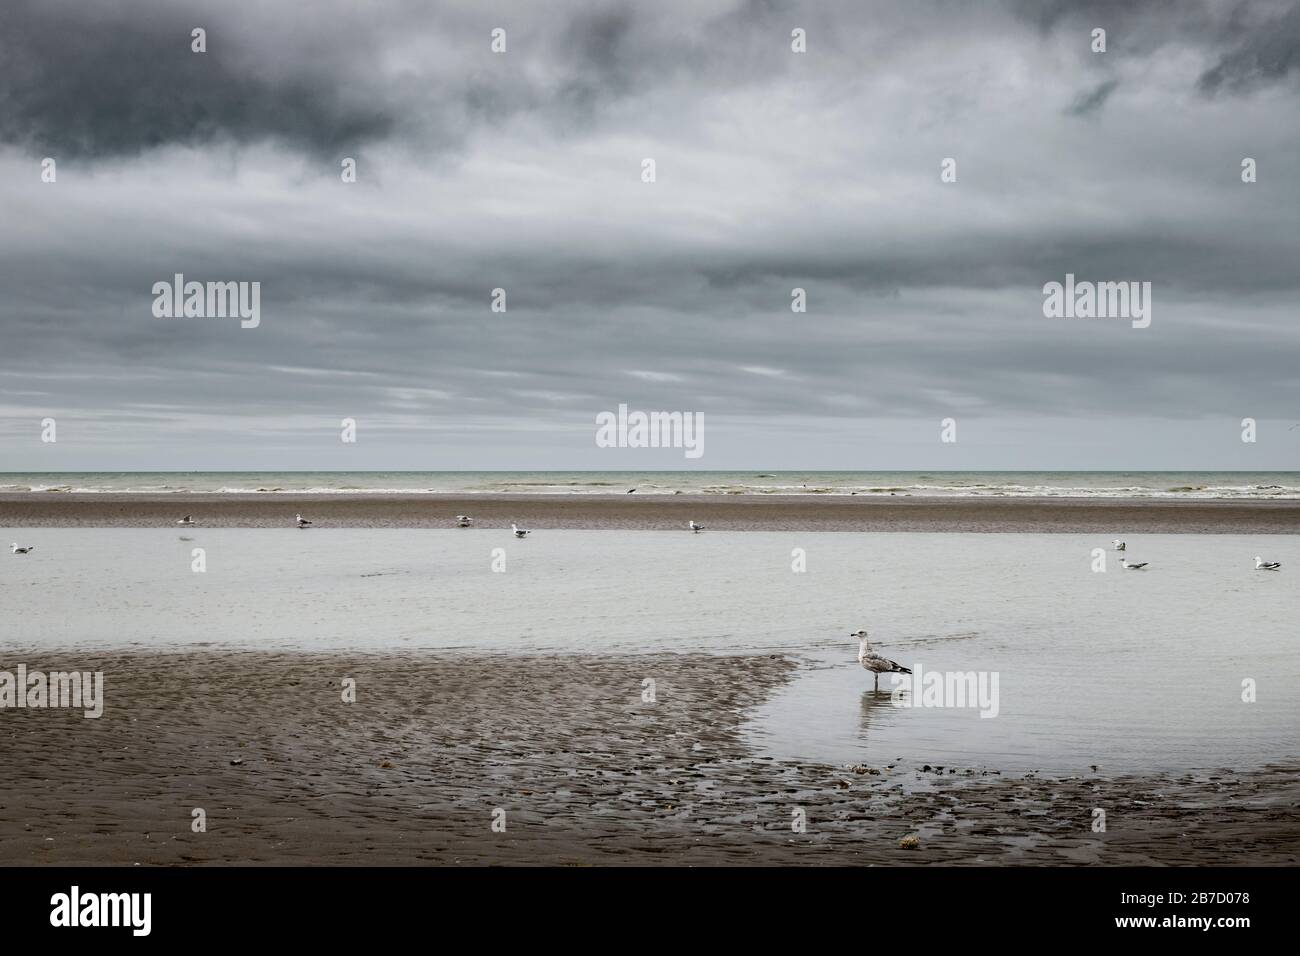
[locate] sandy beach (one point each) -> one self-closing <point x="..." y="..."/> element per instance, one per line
<point x="719" y="512"/>
<point x="448" y="735"/>
<point x="585" y="771"/>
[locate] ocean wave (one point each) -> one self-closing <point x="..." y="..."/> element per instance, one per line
<point x="867" y="485"/>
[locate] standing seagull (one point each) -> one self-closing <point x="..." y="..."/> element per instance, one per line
<point x="1262" y="565"/>
<point x="464" y="521"/>
<point x="302" y="522"/>
<point x="519" y="532"/>
<point x="1119" y="545"/>
<point x="697" y="528"/>
<point x="1132" y="567"/>
<point x="874" y="662"/>
<point x="17" y="550"/>
<point x="187" y="520"/>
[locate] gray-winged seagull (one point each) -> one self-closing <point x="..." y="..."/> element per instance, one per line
<point x="874" y="662"/>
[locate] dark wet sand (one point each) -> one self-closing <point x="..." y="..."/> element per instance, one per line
<point x="718" y="512"/>
<point x="585" y="771"/>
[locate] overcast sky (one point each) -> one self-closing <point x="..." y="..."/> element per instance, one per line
<point x="775" y="170"/>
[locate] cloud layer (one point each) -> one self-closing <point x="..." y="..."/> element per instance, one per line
<point x="522" y="171"/>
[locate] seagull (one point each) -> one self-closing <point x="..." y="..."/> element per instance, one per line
<point x="302" y="522"/>
<point x="17" y="550"/>
<point x="697" y="528"/>
<point x="187" y="520"/>
<point x="1132" y="567"/>
<point x="873" y="661"/>
<point x="1119" y="545"/>
<point x="1262" y="565"/>
<point x="519" y="532"/>
<point x="464" y="521"/>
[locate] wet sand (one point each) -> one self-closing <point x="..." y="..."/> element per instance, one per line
<point x="585" y="771"/>
<point x="718" y="512"/>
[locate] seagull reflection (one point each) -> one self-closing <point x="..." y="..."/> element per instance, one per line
<point x="872" y="707"/>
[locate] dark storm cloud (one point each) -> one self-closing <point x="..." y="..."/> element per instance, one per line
<point x="114" y="80"/>
<point x="1267" y="53"/>
<point x="1249" y="44"/>
<point x="85" y="80"/>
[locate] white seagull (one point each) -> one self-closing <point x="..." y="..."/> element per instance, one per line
<point x="1119" y="545"/>
<point x="519" y="532"/>
<point x="302" y="522"/>
<point x="1132" y="567"/>
<point x="697" y="528"/>
<point x="1262" y="565"/>
<point x="187" y="520"/>
<point x="874" y="662"/>
<point x="17" y="550"/>
<point x="464" y="521"/>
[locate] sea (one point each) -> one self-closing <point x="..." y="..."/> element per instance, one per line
<point x="992" y="484"/>
<point x="1192" y="663"/>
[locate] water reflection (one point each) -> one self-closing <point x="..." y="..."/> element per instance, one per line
<point x="873" y="707"/>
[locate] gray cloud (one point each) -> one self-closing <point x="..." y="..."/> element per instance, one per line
<point x="1093" y="100"/>
<point x="1264" y="54"/>
<point x="120" y="79"/>
<point x="522" y="171"/>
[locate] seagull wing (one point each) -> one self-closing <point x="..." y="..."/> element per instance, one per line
<point x="884" y="664"/>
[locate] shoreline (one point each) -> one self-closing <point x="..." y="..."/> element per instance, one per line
<point x="658" y="512"/>
<point x="584" y="770"/>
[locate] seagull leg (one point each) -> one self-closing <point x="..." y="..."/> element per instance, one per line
<point x="877" y="682"/>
